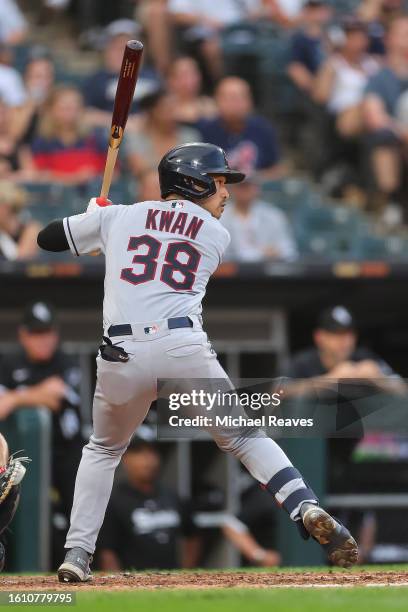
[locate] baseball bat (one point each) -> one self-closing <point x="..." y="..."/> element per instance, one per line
<point x="129" y="71"/>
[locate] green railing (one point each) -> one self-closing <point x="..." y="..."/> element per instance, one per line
<point x="28" y="546"/>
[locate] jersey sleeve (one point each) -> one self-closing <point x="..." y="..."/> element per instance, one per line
<point x="87" y="232"/>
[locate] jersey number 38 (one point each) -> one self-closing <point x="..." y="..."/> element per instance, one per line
<point x="179" y="275"/>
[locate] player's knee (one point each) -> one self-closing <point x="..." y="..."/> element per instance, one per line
<point x="106" y="447"/>
<point x="227" y="443"/>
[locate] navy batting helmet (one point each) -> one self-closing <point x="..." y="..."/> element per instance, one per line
<point x="186" y="170"/>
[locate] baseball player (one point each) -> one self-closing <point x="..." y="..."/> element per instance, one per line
<point x="12" y="472"/>
<point x="159" y="256"/>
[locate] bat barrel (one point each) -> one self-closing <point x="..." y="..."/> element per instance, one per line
<point x="129" y="71"/>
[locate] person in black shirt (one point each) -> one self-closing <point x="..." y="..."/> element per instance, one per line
<point x="40" y="374"/>
<point x="145" y="521"/>
<point x="336" y="356"/>
<point x="308" y="45"/>
<point x="335" y="353"/>
<point x="351" y="372"/>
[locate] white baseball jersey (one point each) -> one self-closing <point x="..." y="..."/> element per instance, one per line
<point x="159" y="257"/>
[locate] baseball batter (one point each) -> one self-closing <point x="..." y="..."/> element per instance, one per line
<point x="159" y="257"/>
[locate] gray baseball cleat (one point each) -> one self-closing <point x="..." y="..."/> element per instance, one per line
<point x="76" y="566"/>
<point x="335" y="538"/>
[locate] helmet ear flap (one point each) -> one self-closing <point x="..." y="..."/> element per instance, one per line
<point x="187" y="183"/>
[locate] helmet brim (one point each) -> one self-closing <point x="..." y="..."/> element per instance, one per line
<point x="231" y="176"/>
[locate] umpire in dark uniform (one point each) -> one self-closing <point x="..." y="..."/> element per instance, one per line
<point x="40" y="374"/>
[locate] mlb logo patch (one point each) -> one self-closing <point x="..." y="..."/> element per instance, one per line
<point x="151" y="330"/>
<point x="177" y="205"/>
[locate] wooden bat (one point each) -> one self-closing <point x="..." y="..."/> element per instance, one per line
<point x="129" y="71"/>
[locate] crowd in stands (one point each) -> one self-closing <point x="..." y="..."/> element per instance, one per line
<point x="287" y="87"/>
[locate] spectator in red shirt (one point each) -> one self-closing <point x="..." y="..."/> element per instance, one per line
<point x="65" y="150"/>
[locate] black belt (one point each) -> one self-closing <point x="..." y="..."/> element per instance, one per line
<point x="126" y="328"/>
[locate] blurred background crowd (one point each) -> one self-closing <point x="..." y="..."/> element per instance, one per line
<point x="307" y="97"/>
<point x="310" y="99"/>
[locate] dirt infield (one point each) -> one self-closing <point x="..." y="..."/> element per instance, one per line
<point x="211" y="580"/>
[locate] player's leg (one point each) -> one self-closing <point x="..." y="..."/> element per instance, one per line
<point x="114" y="425"/>
<point x="262" y="457"/>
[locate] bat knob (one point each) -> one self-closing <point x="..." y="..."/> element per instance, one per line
<point x="135" y="45"/>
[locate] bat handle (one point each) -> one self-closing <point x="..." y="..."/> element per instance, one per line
<point x="109" y="170"/>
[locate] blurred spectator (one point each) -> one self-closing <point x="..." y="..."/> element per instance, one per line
<point x="259" y="231"/>
<point x="337" y="357"/>
<point x="12" y="90"/>
<point x="253" y="530"/>
<point x="285" y="13"/>
<point x="100" y="88"/>
<point x="249" y="139"/>
<point x="13" y="25"/>
<point x="387" y="139"/>
<point x="154" y="16"/>
<point x="145" y="521"/>
<point x="65" y="150"/>
<point x="18" y="237"/>
<point x="148" y="186"/>
<point x="199" y="23"/>
<point x="14" y="157"/>
<point x="92" y="14"/>
<point x="378" y="15"/>
<point x="307" y="45"/>
<point x="158" y="133"/>
<point x="39" y="80"/>
<point x="40" y="374"/>
<point x="184" y="83"/>
<point x="335" y="353"/>
<point x="341" y="81"/>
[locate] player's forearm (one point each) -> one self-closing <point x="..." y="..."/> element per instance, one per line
<point x="52" y="237"/>
<point x="23" y="397"/>
<point x="301" y="76"/>
<point x="245" y="543"/>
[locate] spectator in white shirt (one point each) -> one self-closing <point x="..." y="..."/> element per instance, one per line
<point x="12" y="90"/>
<point x="13" y="25"/>
<point x="342" y="79"/>
<point x="259" y="231"/>
<point x="285" y="13"/>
